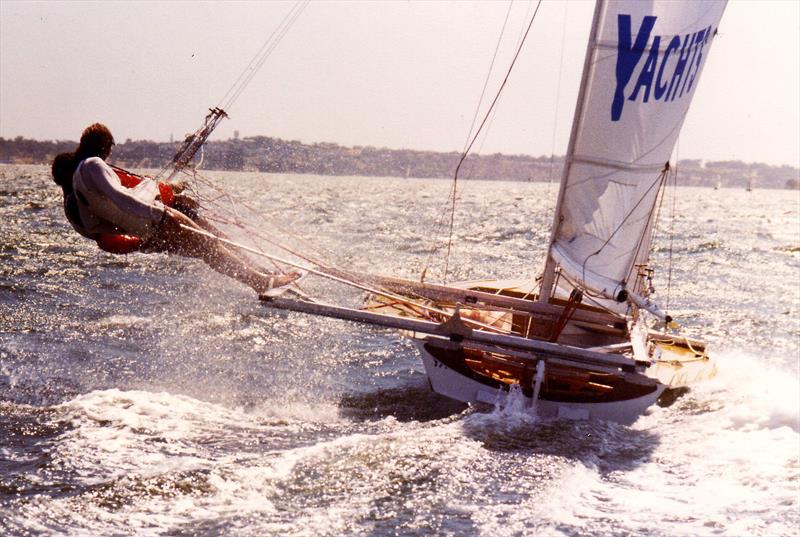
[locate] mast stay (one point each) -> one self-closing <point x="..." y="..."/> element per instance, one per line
<point x="194" y="142"/>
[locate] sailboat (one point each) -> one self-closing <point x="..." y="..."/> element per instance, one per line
<point x="575" y="342"/>
<point x="586" y="339"/>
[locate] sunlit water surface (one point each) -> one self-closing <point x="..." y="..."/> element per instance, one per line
<point x="148" y="395"/>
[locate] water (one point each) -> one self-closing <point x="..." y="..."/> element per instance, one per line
<point x="147" y="395"/>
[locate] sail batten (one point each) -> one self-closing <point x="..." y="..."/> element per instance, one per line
<point x="642" y="66"/>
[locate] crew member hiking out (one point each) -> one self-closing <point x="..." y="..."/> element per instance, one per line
<point x="125" y="213"/>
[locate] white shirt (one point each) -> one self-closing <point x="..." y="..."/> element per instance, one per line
<point x="108" y="207"/>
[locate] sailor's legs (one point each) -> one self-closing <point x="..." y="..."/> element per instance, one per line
<point x="174" y="239"/>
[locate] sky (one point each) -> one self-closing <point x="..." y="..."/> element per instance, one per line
<point x="401" y="74"/>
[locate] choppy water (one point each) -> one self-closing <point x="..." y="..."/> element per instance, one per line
<point x="147" y="395"/>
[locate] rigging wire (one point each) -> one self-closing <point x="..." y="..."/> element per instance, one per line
<point x="452" y="193"/>
<point x="485" y="134"/>
<point x="671" y="180"/>
<point x="488" y="76"/>
<point x="351" y="282"/>
<point x="558" y="95"/>
<point x="196" y="140"/>
<point x="673" y="206"/>
<point x="214" y="207"/>
<point x="258" y="60"/>
<point x="660" y="180"/>
<point x="659" y="211"/>
<point x="489" y="123"/>
<point x="318" y="267"/>
<point x="477" y="133"/>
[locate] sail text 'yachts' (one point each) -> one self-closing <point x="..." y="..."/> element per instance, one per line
<point x="686" y="63"/>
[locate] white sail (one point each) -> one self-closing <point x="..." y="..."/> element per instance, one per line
<point x="642" y="68"/>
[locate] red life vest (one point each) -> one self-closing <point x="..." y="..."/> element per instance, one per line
<point x="124" y="244"/>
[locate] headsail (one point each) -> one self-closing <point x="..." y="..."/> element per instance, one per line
<point x="642" y="67"/>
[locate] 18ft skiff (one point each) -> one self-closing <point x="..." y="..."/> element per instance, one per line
<point x="575" y="341"/>
<point x="579" y="340"/>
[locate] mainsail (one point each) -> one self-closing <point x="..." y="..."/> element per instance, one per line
<point x="642" y="67"/>
<point x="481" y="340"/>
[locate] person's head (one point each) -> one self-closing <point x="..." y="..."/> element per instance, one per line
<point x="96" y="141"/>
<point x="63" y="168"/>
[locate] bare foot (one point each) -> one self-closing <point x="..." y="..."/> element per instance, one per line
<point x="284" y="279"/>
<point x="278" y="280"/>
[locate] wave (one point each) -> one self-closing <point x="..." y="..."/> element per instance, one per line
<point x="755" y="392"/>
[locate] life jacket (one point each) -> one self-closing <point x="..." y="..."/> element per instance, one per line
<point x="130" y="180"/>
<point x="118" y="244"/>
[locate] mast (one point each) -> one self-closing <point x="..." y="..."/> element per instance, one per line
<point x="548" y="276"/>
<point x="193" y="142"/>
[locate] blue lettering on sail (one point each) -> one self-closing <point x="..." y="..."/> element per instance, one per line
<point x="673" y="46"/>
<point x="680" y="67"/>
<point x="663" y="75"/>
<point x="698" y="37"/>
<point x="627" y="57"/>
<point x="705" y="36"/>
<point x="646" y="76"/>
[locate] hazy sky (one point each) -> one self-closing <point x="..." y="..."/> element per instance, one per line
<point x="404" y="74"/>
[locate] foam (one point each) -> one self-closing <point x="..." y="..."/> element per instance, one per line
<point x="755" y="393"/>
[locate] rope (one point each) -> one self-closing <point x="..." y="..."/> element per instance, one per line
<point x="672" y="226"/>
<point x="452" y="194"/>
<point x="477" y="133"/>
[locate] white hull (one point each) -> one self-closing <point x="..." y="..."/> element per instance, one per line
<point x="450" y="383"/>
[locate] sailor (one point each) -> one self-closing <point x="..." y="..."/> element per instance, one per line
<point x="136" y="216"/>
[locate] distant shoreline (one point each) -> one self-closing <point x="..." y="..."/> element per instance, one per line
<point x="265" y="154"/>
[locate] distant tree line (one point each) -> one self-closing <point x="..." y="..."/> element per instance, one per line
<point x="265" y="154"/>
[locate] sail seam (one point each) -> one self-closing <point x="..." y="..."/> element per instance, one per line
<point x="618" y="165"/>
